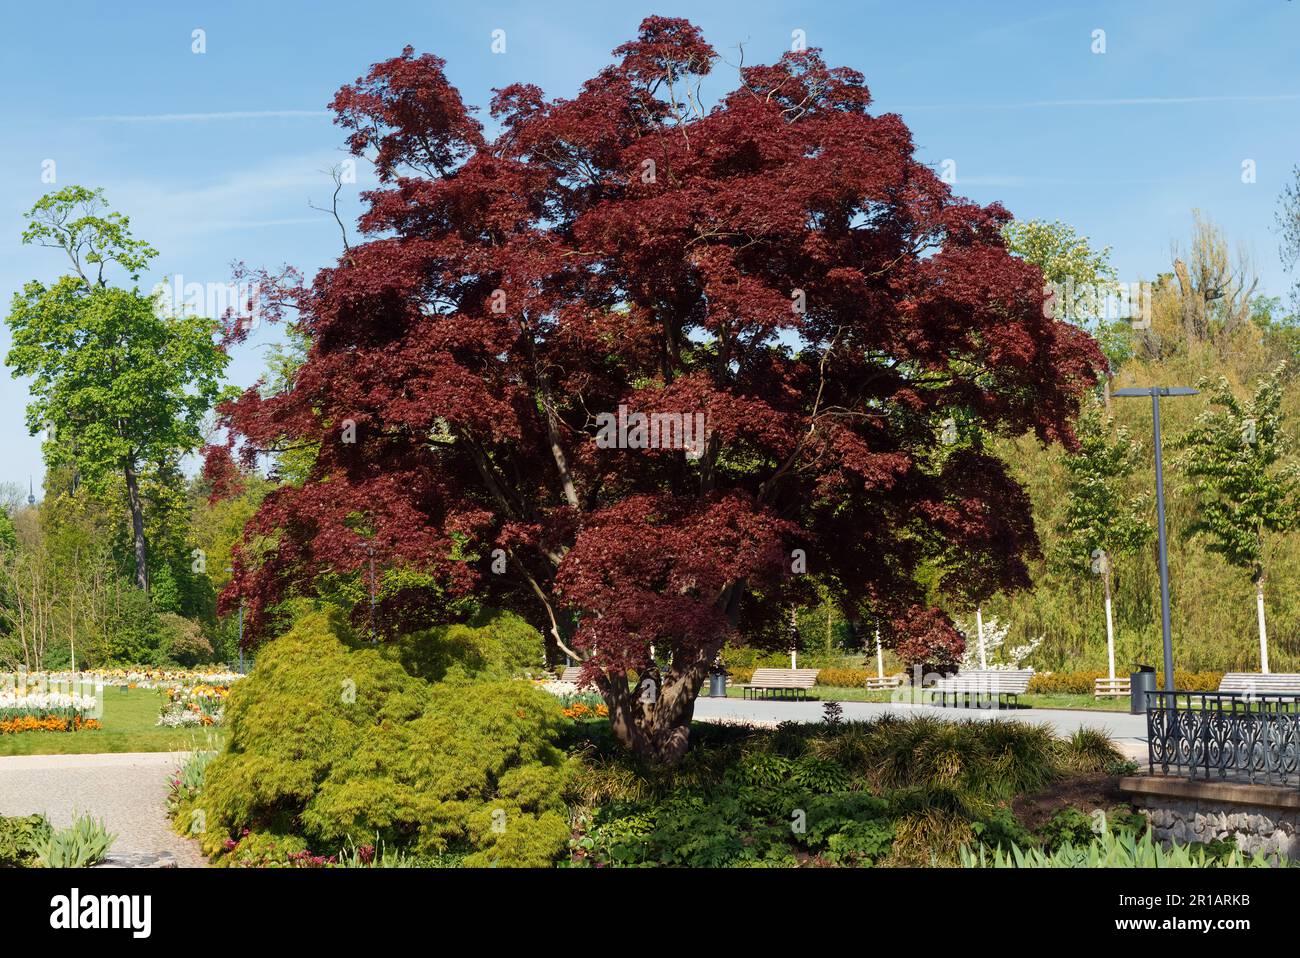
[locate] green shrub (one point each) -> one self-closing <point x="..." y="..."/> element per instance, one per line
<point x="819" y="775"/>
<point x="904" y="791"/>
<point x="845" y="678"/>
<point x="1082" y="683"/>
<point x="492" y="644"/>
<point x="1068" y="826"/>
<point x="131" y="634"/>
<point x="182" y="641"/>
<point x="18" y="837"/>
<point x="1001" y="829"/>
<point x="738" y="824"/>
<point x="764" y="769"/>
<point x="331" y="741"/>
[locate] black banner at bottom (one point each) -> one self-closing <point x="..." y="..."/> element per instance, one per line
<point x="220" y="907"/>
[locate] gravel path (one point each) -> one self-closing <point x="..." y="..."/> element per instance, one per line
<point x="127" y="790"/>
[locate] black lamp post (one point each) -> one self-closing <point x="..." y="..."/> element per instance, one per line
<point x="1155" y="392"/>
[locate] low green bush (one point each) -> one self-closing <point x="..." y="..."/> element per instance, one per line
<point x="845" y="678"/>
<point x="898" y="791"/>
<point x="739" y="823"/>
<point x="1083" y="683"/>
<point x="18" y="837"/>
<point x="333" y="743"/>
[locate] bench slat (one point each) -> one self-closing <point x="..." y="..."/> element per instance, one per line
<point x="1283" y="683"/>
<point x="1001" y="681"/>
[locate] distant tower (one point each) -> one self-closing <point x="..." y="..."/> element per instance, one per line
<point x="31" y="492"/>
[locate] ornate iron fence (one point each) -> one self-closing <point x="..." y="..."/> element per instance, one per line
<point x="1229" y="736"/>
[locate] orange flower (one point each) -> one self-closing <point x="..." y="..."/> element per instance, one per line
<point x="46" y="723"/>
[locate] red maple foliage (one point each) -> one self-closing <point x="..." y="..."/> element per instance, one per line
<point x="779" y="263"/>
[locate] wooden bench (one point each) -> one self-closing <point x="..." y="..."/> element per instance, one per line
<point x="1256" y="683"/>
<point x="993" y="684"/>
<point x="883" y="682"/>
<point x="798" y="681"/>
<point x="1114" y="688"/>
<point x="572" y="674"/>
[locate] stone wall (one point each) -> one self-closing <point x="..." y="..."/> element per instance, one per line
<point x="1261" y="818"/>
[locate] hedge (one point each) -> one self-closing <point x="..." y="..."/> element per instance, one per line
<point x="1082" y="683"/>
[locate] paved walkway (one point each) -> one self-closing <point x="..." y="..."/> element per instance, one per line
<point x="1129" y="732"/>
<point x="127" y="790"/>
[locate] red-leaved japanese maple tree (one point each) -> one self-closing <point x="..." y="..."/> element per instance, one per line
<point x="777" y="263"/>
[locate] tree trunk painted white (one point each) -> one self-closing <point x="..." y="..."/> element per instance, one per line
<point x="1110" y="626"/>
<point x="794" y="661"/>
<point x="880" y="658"/>
<point x="979" y="630"/>
<point x="1263" y="632"/>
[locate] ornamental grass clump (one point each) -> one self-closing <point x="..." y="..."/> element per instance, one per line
<point x="332" y="742"/>
<point x="983" y="761"/>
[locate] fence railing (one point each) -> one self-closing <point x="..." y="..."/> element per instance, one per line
<point x="1227" y="736"/>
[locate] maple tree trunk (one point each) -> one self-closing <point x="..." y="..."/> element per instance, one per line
<point x="137" y="527"/>
<point x="657" y="731"/>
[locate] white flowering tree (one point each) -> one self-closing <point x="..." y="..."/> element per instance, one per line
<point x="994" y="655"/>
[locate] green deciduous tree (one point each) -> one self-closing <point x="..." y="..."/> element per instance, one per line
<point x="120" y="387"/>
<point x="1237" y="457"/>
<point x="1288" y="223"/>
<point x="1101" y="520"/>
<point x="1081" y="278"/>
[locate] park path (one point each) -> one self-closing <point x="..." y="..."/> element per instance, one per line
<point x="1129" y="732"/>
<point x="128" y="790"/>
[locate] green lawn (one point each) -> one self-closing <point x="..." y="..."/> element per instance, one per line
<point x="831" y="693"/>
<point x="129" y="726"/>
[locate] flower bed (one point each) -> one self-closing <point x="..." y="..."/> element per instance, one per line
<point x="194" y="705"/>
<point x="137" y="677"/>
<point x="583" y="705"/>
<point x="23" y="710"/>
<point x="50" y="723"/>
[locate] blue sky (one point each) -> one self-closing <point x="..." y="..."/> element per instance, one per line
<point x="217" y="156"/>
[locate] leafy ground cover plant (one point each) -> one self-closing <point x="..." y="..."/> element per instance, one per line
<point x="18" y="838"/>
<point x="891" y="791"/>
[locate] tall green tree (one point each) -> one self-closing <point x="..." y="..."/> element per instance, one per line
<point x="1238" y="459"/>
<point x="1101" y="521"/>
<point x="1080" y="278"/>
<point x="119" y="386"/>
<point x="1288" y="225"/>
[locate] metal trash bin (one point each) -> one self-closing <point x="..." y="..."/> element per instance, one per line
<point x="718" y="685"/>
<point x="1141" y="682"/>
